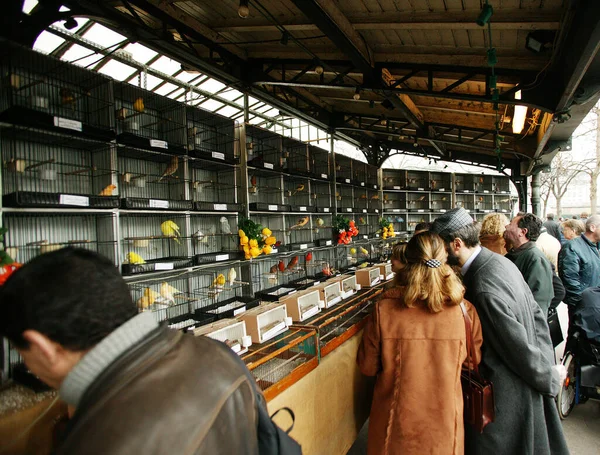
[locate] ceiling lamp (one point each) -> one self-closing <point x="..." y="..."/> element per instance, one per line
<point x="70" y="23"/>
<point x="319" y="69"/>
<point x="518" y="121"/>
<point x="384" y="121"/>
<point x="540" y="41"/>
<point x="485" y="15"/>
<point x="243" y="10"/>
<point x="356" y="95"/>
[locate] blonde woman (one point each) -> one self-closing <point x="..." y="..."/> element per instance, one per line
<point x="572" y="229"/>
<point x="415" y="344"/>
<point x="492" y="231"/>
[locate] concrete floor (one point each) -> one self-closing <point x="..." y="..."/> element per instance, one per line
<point x="582" y="427"/>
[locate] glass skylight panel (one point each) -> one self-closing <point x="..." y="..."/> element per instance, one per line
<point x="229" y="111"/>
<point x="233" y="94"/>
<point x="166" y="65"/>
<point x="151" y="81"/>
<point x="103" y="36"/>
<point x="165" y="88"/>
<point x="140" y="52"/>
<point x="187" y="77"/>
<point x="211" y="105"/>
<point x="28" y="5"/>
<point x="273" y="112"/>
<point x="211" y="86"/>
<point x="81" y="56"/>
<point x="177" y="93"/>
<point x="117" y="70"/>
<point x="47" y="42"/>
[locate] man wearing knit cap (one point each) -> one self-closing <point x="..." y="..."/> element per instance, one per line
<point x="517" y="353"/>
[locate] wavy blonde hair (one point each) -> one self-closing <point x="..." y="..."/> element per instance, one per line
<point x="433" y="287"/>
<point x="493" y="224"/>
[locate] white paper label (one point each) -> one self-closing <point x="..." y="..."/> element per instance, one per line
<point x="465" y="191"/>
<point x="396" y="210"/>
<point x="239" y="310"/>
<point x="273" y="250"/>
<point x="420" y="189"/>
<point x="303" y="209"/>
<point x="442" y="189"/>
<point x="443" y="210"/>
<point x="159" y="204"/>
<point x="323" y="176"/>
<point x="485" y="191"/>
<point x="348" y="209"/>
<point x="347" y="180"/>
<point x="362" y="183"/>
<point x="273" y="208"/>
<point x="303" y="246"/>
<point x="326" y="209"/>
<point x="328" y="243"/>
<point x="420" y="210"/>
<point x="69" y="199"/>
<point x="376" y="210"/>
<point x="163" y="266"/>
<point x="220" y="206"/>
<point x="67" y="124"/>
<point x="397" y="188"/>
<point x="159" y="144"/>
<point x="364" y="210"/>
<point x="268" y="165"/>
<point x="221" y="257"/>
<point x="218" y="155"/>
<point x="365" y="237"/>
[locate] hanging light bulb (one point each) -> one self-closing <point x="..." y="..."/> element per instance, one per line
<point x="356" y="95"/>
<point x="319" y="69"/>
<point x="243" y="10"/>
<point x="518" y="121"/>
<point x="384" y="121"/>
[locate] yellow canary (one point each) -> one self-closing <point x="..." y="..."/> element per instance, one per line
<point x="364" y="251"/>
<point x="219" y="280"/>
<point x="134" y="258"/>
<point x="138" y="105"/>
<point x="170" y="229"/>
<point x="108" y="191"/>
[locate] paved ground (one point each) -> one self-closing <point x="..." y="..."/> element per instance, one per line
<point x="582" y="427"/>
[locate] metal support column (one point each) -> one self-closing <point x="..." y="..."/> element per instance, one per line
<point x="536" y="206"/>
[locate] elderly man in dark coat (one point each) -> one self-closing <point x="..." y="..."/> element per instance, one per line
<point x="517" y="353"/>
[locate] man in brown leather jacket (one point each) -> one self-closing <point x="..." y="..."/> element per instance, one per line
<point x="136" y="387"/>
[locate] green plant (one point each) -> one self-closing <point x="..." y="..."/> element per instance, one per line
<point x="5" y="259"/>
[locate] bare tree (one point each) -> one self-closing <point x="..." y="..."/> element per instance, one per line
<point x="564" y="170"/>
<point x="591" y="128"/>
<point x="547" y="181"/>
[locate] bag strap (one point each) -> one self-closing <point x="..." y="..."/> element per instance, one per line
<point x="292" y="416"/>
<point x="469" y="333"/>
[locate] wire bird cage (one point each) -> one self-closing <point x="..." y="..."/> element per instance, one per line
<point x="295" y="157"/>
<point x="441" y="202"/>
<point x="44" y="169"/>
<point x="359" y="173"/>
<point x="394" y="179"/>
<point x="263" y="148"/>
<point x="147" y="120"/>
<point x="394" y="201"/>
<point x="343" y="169"/>
<point x="322" y="230"/>
<point x="501" y="185"/>
<point x="398" y="220"/>
<point x="374" y="201"/>
<point x="466" y="201"/>
<point x="417" y="202"/>
<point x="319" y="162"/>
<point x="320" y="196"/>
<point x="344" y="196"/>
<point x="465" y="183"/>
<point x="265" y="188"/>
<point x="298" y="234"/>
<point x="412" y="219"/>
<point x="502" y="203"/>
<point x="417" y="180"/>
<point x="276" y="276"/>
<point x="372" y="176"/>
<point x="361" y="200"/>
<point x="296" y="192"/>
<point x="214" y="238"/>
<point x="484" y="203"/>
<point x="440" y="182"/>
<point x="484" y="183"/>
<point x="41" y="91"/>
<point x="211" y="137"/>
<point x="214" y="187"/>
<point x="151" y="180"/>
<point x="284" y="360"/>
<point x="32" y="234"/>
<point x="151" y="242"/>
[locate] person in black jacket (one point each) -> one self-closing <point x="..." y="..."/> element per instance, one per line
<point x="552" y="226"/>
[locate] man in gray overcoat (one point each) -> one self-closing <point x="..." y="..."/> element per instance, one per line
<point x="517" y="353"/>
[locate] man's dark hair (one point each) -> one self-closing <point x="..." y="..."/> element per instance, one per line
<point x="423" y="226"/>
<point x="533" y="225"/>
<point x="73" y="296"/>
<point x="469" y="234"/>
<point x="550" y="216"/>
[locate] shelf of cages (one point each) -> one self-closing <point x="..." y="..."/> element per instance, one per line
<point x="45" y="169"/>
<point x="31" y="234"/>
<point x="322" y="230"/>
<point x="344" y="198"/>
<point x="265" y="192"/>
<point x="440" y="182"/>
<point x="299" y="232"/>
<point x="394" y="201"/>
<point x="484" y="184"/>
<point x="343" y="169"/>
<point x="214" y="187"/>
<point x="440" y="202"/>
<point x="283" y="361"/>
<point x="275" y="276"/>
<point x="214" y="238"/>
<point x="320" y="195"/>
<point x="211" y="137"/>
<point x="297" y="194"/>
<point x="150" y="180"/>
<point x="418" y="202"/>
<point x="153" y="243"/>
<point x="394" y="179"/>
<point x="417" y="180"/>
<point x="465" y="183"/>
<point x="359" y="173"/>
<point x="501" y="185"/>
<point x="232" y="332"/>
<point x="503" y="203"/>
<point x="466" y="201"/>
<point x="263" y="148"/>
<point x="372" y="176"/>
<point x="484" y="203"/>
<point x="412" y="219"/>
<point x="320" y="166"/>
<point x="295" y="157"/>
<point x="45" y="92"/>
<point x="149" y="121"/>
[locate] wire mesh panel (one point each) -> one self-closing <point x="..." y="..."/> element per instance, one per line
<point x="417" y="180"/>
<point x="319" y="162"/>
<point x="465" y="183"/>
<point x="362" y="223"/>
<point x="400" y="221"/>
<point x="484" y="183"/>
<point x="501" y="185"/>
<point x="214" y="235"/>
<point x="298" y="231"/>
<point x="394" y="179"/>
<point x="372" y="176"/>
<point x="272" y="275"/>
<point x="42" y="91"/>
<point x="415" y="218"/>
<point x="54" y="170"/>
<point x="151" y="180"/>
<point x="394" y="201"/>
<point x="359" y="173"/>
<point x="263" y="148"/>
<point x="417" y="202"/>
<point x="343" y="169"/>
<point x="211" y="136"/>
<point x="502" y="203"/>
<point x="320" y="195"/>
<point x="484" y="203"/>
<point x="374" y="201"/>
<point x="440" y="181"/>
<point x="322" y="230"/>
<point x="264" y="187"/>
<point x="361" y="199"/>
<point x="152" y="242"/>
<point x="213" y="186"/>
<point x="372" y="228"/>
<point x="295" y="156"/>
<point x="296" y="192"/>
<point x="344" y="196"/>
<point x="441" y="202"/>
<point x="147" y="120"/>
<point x="466" y="201"/>
<point x="32" y="234"/>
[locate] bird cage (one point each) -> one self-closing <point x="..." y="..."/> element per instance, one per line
<point x="484" y="203"/>
<point x="464" y="183"/>
<point x="266" y="321"/>
<point x="361" y="200"/>
<point x="441" y="202"/>
<point x="45" y="169"/>
<point x="412" y="219"/>
<point x="394" y="201"/>
<point x="149" y="121"/>
<point x="296" y="193"/>
<point x="417" y="180"/>
<point x="417" y="202"/>
<point x="322" y="230"/>
<point x="344" y="198"/>
<point x="168" y="299"/>
<point x="295" y="157"/>
<point x="440" y="182"/>
<point x="394" y="179"/>
<point x="502" y="203"/>
<point x="330" y="293"/>
<point x="374" y="201"/>
<point x="275" y="276"/>
<point x="343" y="169"/>
<point x="359" y="173"/>
<point x="214" y="187"/>
<point x="211" y="137"/>
<point x="368" y="277"/>
<point x="298" y="234"/>
<point x="263" y="148"/>
<point x="302" y="305"/>
<point x="320" y="196"/>
<point x="278" y="365"/>
<point x="319" y="162"/>
<point x="214" y="238"/>
<point x="484" y="184"/>
<point x="44" y="92"/>
<point x="265" y="188"/>
<point x="153" y="242"/>
<point x="232" y="332"/>
<point x="501" y="185"/>
<point x="372" y="176"/>
<point x="348" y="285"/>
<point x="385" y="271"/>
<point x="466" y="201"/>
<point x="31" y="234"/>
<point x="372" y="230"/>
<point x="400" y="222"/>
<point x="150" y="180"/>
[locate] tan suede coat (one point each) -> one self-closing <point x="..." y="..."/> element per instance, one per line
<point x="417" y="357"/>
<point x="495" y="243"/>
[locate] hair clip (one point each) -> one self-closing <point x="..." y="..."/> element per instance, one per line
<point x="433" y="263"/>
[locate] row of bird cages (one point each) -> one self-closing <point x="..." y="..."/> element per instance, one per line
<point x="274" y="277"/>
<point x="319" y="162"/>
<point x="265" y="187"/>
<point x="440" y="181"/>
<point x="366" y="199"/>
<point x="343" y="168"/>
<point x="214" y="185"/>
<point x="42" y="91"/>
<point x="295" y="156"/>
<point x="399" y="220"/>
<point x="372" y="176"/>
<point x="211" y="136"/>
<point x="263" y="148"/>
<point x="32" y="234"/>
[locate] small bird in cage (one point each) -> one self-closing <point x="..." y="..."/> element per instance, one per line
<point x="299" y="188"/>
<point x="170" y="229"/>
<point x="171" y="168"/>
<point x="67" y="98"/>
<point x="138" y="105"/>
<point x="301" y="222"/>
<point x="225" y="227"/>
<point x="134" y="258"/>
<point x="254" y="188"/>
<point x="293" y="262"/>
<point x="219" y="281"/>
<point x="108" y="190"/>
<point x="433" y="184"/>
<point x="376" y="197"/>
<point x="231" y="276"/>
